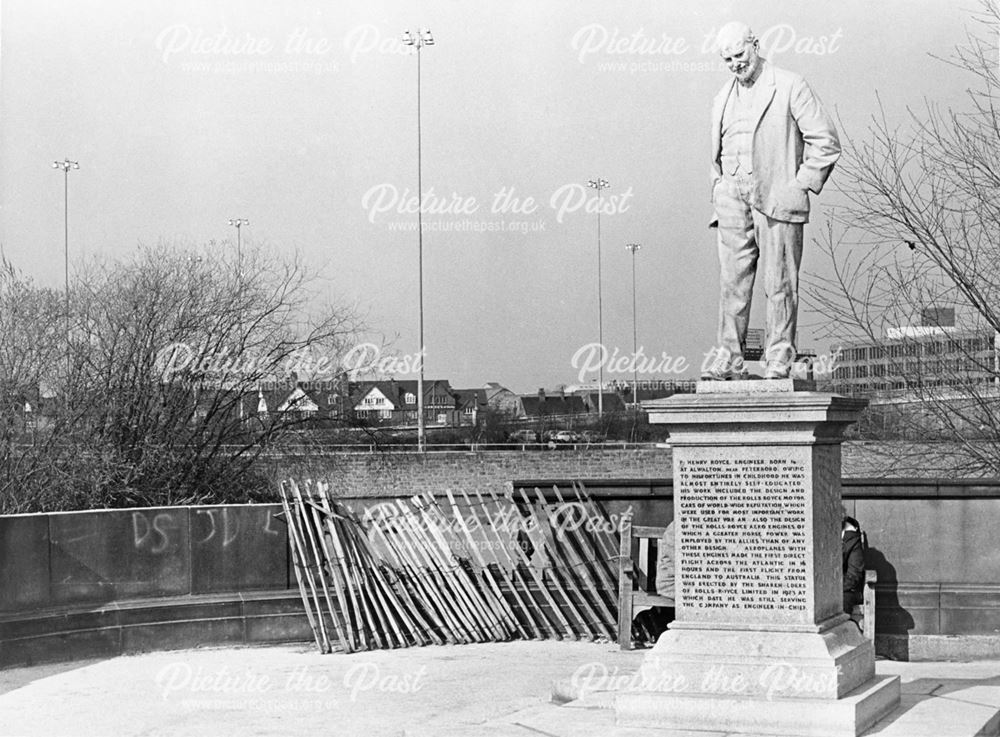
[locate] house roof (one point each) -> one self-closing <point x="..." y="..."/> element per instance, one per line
<point x="535" y="405"/>
<point x="470" y="397"/>
<point x="325" y="398"/>
<point x="26" y="399"/>
<point x="492" y="388"/>
<point x="396" y="391"/>
<point x="387" y="389"/>
<point x="300" y="398"/>
<point x="612" y="401"/>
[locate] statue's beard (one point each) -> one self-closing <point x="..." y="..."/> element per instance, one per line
<point x="744" y="72"/>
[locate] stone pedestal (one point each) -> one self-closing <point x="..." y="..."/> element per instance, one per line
<point x="760" y="644"/>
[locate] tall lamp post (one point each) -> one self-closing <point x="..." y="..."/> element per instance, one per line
<point x="66" y="164"/>
<point x="239" y="223"/>
<point x="599" y="184"/>
<point x="418" y="40"/>
<point x="633" y="247"/>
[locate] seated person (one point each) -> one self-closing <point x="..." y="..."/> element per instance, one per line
<point x="654" y="620"/>
<point x="854" y="563"/>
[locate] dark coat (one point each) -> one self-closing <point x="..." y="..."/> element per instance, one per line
<point x="854" y="561"/>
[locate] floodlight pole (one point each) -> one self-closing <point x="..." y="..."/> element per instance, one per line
<point x="418" y="40"/>
<point x="633" y="247"/>
<point x="599" y="184"/>
<point x="238" y="223"/>
<point x="66" y="164"/>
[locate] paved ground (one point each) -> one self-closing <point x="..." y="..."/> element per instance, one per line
<point x="493" y="689"/>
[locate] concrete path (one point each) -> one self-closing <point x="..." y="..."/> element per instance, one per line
<point x="496" y="689"/>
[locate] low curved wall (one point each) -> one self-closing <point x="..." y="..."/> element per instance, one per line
<point x="143" y="625"/>
<point x="88" y="584"/>
<point x="83" y="584"/>
<point x="89" y="558"/>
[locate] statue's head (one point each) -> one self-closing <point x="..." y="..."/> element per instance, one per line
<point x="739" y="49"/>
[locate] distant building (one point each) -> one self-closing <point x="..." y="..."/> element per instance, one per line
<point x="555" y="406"/>
<point x="912" y="357"/>
<point x="395" y="402"/>
<point x="302" y="401"/>
<point x="502" y="399"/>
<point x="610" y="402"/>
<point x="386" y="402"/>
<point x="26" y="408"/>
<point x="940" y="317"/>
<point x="470" y="403"/>
<point x="754" y="348"/>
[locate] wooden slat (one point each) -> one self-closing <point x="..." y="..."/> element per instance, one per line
<point x="644" y="598"/>
<point x="871" y="578"/>
<point x="299" y="564"/>
<point x="625" y="584"/>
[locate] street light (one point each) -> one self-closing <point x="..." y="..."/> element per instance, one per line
<point x="599" y="184"/>
<point x="238" y="223"/>
<point x="633" y="247"/>
<point x="66" y="164"/>
<point x="418" y="40"/>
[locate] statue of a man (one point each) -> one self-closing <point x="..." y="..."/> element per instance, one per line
<point x="772" y="143"/>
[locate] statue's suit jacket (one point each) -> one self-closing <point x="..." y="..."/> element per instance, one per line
<point x="794" y="148"/>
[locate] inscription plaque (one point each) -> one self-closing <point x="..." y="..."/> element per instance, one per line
<point x="742" y="535"/>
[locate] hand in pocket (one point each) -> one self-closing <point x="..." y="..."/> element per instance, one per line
<point x="793" y="197"/>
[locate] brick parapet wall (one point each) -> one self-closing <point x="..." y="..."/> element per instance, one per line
<point x="396" y="474"/>
<point x="393" y="473"/>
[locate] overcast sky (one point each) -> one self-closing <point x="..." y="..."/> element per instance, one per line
<point x="301" y="116"/>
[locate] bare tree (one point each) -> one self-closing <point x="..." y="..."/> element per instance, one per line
<point x="170" y="351"/>
<point x="920" y="231"/>
<point x="32" y="353"/>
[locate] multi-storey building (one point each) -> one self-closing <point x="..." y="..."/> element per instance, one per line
<point x="910" y="358"/>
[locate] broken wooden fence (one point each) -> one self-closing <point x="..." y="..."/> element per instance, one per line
<point x="458" y="569"/>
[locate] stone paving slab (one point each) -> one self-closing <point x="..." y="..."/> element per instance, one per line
<point x="971" y="715"/>
<point x="493" y="690"/>
<point x="939" y="700"/>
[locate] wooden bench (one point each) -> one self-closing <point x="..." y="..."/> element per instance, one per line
<point x="866" y="610"/>
<point x="637" y="578"/>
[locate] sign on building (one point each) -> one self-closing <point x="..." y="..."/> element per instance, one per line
<point x="938" y="317"/>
